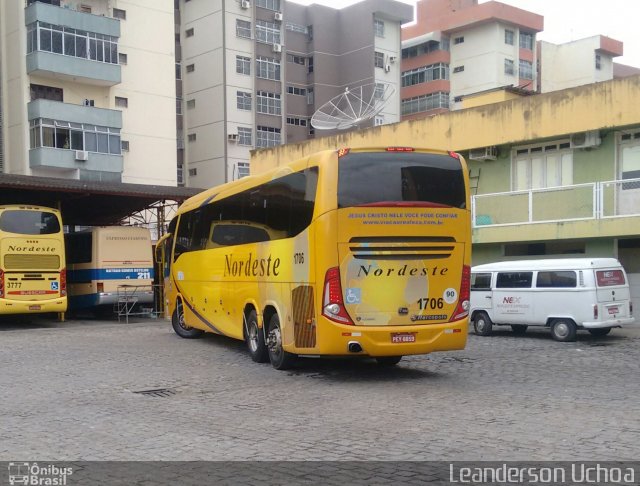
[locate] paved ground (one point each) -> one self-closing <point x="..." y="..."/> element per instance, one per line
<point x="68" y="392"/>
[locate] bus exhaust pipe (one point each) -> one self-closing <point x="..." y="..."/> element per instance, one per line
<point x="354" y="347"/>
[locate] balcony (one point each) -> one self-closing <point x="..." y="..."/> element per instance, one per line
<point x="590" y="210"/>
<point x="85" y="50"/>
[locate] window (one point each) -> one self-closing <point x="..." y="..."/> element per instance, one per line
<point x="514" y="280"/>
<point x="268" y="68"/>
<point x="294" y="90"/>
<point x="85" y="8"/>
<point x="509" y="67"/>
<point x="480" y="281"/>
<point x="189" y="32"/>
<point x="310" y="96"/>
<point x="74" y="136"/>
<point x="598" y="62"/>
<point x="244" y="136"/>
<point x="268" y="103"/>
<point x="458" y="40"/>
<point x="563" y="279"/>
<point x="193" y="172"/>
<point x="539" y="166"/>
<point x="509" y="37"/>
<point x="178" y="106"/>
<point x="269" y="4"/>
<point x="607" y="278"/>
<point x="310" y="65"/>
<point x="119" y="14"/>
<point x="191" y="137"/>
<point x="526" y="40"/>
<point x="629" y="153"/>
<point x="301" y="29"/>
<point x="267" y="136"/>
<point x="378" y="59"/>
<point x="267" y="32"/>
<point x="425" y="74"/>
<point x="298" y="122"/>
<point x="296" y="59"/>
<point x="124" y="144"/>
<point x="458" y="69"/>
<point x="40" y="92"/>
<point x="425" y="48"/>
<point x="378" y="28"/>
<point x="378" y="120"/>
<point x="243" y="28"/>
<point x="426" y="102"/>
<point x="526" y="69"/>
<point x="378" y="92"/>
<point x="122" y="102"/>
<point x="190" y="68"/>
<point x="243" y="169"/>
<point x="191" y="104"/>
<point x="243" y="100"/>
<point x="178" y="71"/>
<point x="29" y="222"/>
<point x="243" y="65"/>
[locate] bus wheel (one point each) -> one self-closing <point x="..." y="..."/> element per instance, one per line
<point x="255" y="339"/>
<point x="482" y="324"/>
<point x="180" y="326"/>
<point x="601" y="331"/>
<point x="388" y="360"/>
<point x="280" y="359"/>
<point x="563" y="330"/>
<point x="519" y="329"/>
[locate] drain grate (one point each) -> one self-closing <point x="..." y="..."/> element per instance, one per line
<point x="158" y="392"/>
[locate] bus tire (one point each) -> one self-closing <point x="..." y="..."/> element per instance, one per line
<point x="601" y="331"/>
<point x="519" y="329"/>
<point x="179" y="325"/>
<point x="563" y="330"/>
<point x="388" y="360"/>
<point x="280" y="359"/>
<point x="254" y="337"/>
<point x="482" y="324"/>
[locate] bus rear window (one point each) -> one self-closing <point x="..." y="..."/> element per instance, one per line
<point x="23" y="222"/>
<point x="369" y="178"/>
<point x="607" y="278"/>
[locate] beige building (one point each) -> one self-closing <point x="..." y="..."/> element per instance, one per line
<point x="87" y="90"/>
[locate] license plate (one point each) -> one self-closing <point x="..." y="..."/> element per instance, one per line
<point x="403" y="337"/>
<point x="613" y="310"/>
<point x="34" y="307"/>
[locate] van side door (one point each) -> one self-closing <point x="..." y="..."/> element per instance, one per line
<point x="513" y="298"/>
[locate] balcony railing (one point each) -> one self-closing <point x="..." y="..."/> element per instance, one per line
<point x="595" y="200"/>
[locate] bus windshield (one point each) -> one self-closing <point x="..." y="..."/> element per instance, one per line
<point x="413" y="178"/>
<point x="24" y="222"/>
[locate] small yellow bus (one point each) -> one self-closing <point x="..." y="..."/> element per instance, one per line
<point x="108" y="263"/>
<point x="350" y="252"/>
<point x="32" y="260"/>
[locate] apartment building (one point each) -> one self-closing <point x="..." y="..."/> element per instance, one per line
<point x="87" y="90"/>
<point x="253" y="73"/>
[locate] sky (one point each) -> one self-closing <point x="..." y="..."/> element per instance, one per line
<point x="567" y="20"/>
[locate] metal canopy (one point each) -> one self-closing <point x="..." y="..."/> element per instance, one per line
<point x="88" y="203"/>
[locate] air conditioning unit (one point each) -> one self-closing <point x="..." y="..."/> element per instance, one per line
<point x="277" y="47"/>
<point x="387" y="68"/>
<point x="585" y="139"/>
<point x="278" y="16"/>
<point x="232" y="137"/>
<point x="245" y="4"/>
<point x="484" y="153"/>
<point x="82" y="155"/>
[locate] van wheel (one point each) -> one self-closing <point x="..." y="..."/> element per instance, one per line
<point x="563" y="330"/>
<point x="180" y="326"/>
<point x="254" y="337"/>
<point x="388" y="360"/>
<point x="280" y="359"/>
<point x="602" y="331"/>
<point x="519" y="329"/>
<point x="482" y="324"/>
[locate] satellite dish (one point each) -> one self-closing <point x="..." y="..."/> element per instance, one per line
<point x="352" y="107"/>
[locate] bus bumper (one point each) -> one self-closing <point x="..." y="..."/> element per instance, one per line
<point x="380" y="341"/>
<point x="20" y="307"/>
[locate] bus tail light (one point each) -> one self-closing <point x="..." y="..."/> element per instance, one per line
<point x="595" y="312"/>
<point x="332" y="302"/>
<point x="63" y="282"/>
<point x="400" y="149"/>
<point x="465" y="294"/>
<point x="455" y="155"/>
<point x="342" y="152"/>
<point x="1" y="284"/>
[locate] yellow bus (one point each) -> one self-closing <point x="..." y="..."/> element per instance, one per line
<point x="32" y="261"/>
<point x="108" y="264"/>
<point x="350" y="252"/>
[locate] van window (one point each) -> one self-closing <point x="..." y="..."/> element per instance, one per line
<point x="606" y="278"/>
<point x="480" y="281"/>
<point x="514" y="280"/>
<point x="563" y="279"/>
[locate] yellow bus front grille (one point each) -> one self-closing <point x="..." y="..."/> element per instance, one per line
<point x="31" y="262"/>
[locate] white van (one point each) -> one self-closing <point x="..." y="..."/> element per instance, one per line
<point x="563" y="294"/>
